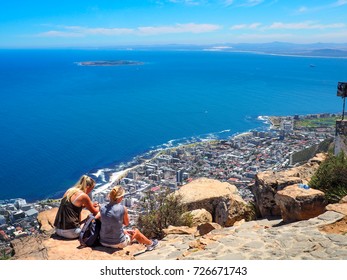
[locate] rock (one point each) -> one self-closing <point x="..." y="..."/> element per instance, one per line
<point x="340" y="207"/>
<point x="205" y="193"/>
<point x="199" y="216"/>
<point x="30" y="248"/>
<point x="222" y="200"/>
<point x="298" y="204"/>
<point x="264" y="191"/>
<point x="344" y="199"/>
<point x="318" y="158"/>
<point x="337" y="207"/>
<point x="228" y="214"/>
<point x="196" y="244"/>
<point x="322" y="237"/>
<point x="203" y="229"/>
<point x="268" y="183"/>
<point x="338" y="227"/>
<point x="46" y="219"/>
<point x="239" y="223"/>
<point x="55" y="248"/>
<point x="179" y="230"/>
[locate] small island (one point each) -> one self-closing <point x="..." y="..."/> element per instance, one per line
<point x="109" y="63"/>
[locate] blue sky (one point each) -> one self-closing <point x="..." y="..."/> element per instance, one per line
<point x="69" y="23"/>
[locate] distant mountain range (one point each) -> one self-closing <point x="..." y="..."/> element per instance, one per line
<point x="317" y="49"/>
<point x="278" y="48"/>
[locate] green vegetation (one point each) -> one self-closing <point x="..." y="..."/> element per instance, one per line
<point x="316" y="122"/>
<point x="331" y="177"/>
<point x="160" y="211"/>
<point x="4" y="255"/>
<point x="252" y="212"/>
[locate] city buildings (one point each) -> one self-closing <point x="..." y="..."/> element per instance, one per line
<point x="236" y="160"/>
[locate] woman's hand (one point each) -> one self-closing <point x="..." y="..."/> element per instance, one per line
<point x="129" y="232"/>
<point x="97" y="206"/>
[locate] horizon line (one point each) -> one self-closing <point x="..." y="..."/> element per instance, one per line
<point x="168" y="45"/>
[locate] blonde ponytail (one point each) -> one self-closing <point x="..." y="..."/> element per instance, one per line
<point x="83" y="184"/>
<point x="116" y="192"/>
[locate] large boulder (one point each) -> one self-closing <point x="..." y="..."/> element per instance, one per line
<point x="298" y="204"/>
<point x="268" y="183"/>
<point x="46" y="219"/>
<point x="231" y="211"/>
<point x="222" y="200"/>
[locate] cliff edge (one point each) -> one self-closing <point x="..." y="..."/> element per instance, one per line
<point x="220" y="231"/>
<point x="322" y="237"/>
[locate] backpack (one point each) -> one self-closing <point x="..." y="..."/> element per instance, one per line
<point x="90" y="234"/>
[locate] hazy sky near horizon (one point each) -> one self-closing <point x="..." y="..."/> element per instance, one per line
<point x="63" y="23"/>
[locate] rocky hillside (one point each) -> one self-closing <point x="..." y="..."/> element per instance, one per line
<point x="295" y="223"/>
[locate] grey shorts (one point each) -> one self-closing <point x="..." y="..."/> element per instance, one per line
<point x="122" y="245"/>
<point x="68" y="233"/>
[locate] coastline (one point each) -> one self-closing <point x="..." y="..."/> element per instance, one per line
<point x="108" y="176"/>
<point x="119" y="171"/>
<point x="53" y="167"/>
<point x="272" y="122"/>
<point x="283" y="54"/>
<point x="234" y="160"/>
<point x="118" y="175"/>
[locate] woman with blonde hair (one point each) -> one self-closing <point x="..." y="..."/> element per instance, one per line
<point x="113" y="217"/>
<point x="68" y="219"/>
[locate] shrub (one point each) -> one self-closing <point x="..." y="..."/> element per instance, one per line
<point x="159" y="210"/>
<point x="4" y="254"/>
<point x="331" y="177"/>
<point x="252" y="212"/>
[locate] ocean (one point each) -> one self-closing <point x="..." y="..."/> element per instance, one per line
<point x="59" y="120"/>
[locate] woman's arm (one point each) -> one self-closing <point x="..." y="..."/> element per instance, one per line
<point x="126" y="217"/>
<point x="98" y="216"/>
<point x="92" y="207"/>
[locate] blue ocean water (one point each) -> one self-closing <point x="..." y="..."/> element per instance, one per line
<point x="59" y="120"/>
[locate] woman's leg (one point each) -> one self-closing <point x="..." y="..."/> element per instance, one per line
<point x="137" y="235"/>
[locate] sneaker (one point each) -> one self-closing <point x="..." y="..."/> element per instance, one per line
<point x="153" y="245"/>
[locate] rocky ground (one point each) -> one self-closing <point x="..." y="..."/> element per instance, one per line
<point x="318" y="238"/>
<point x="308" y="227"/>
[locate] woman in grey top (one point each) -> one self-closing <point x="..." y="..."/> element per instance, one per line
<point x="113" y="217"/>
